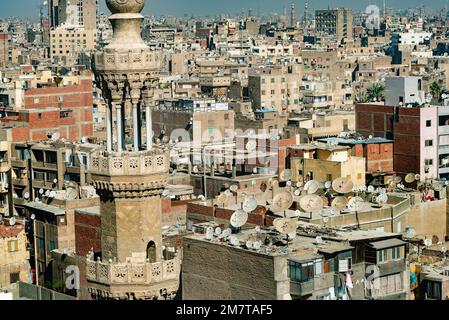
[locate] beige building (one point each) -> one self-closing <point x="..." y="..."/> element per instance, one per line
<point x="66" y="43"/>
<point x="14" y="265"/>
<point x="275" y="89"/>
<point x="323" y="162"/>
<point x="5" y="169"/>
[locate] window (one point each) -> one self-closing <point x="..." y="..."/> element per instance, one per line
<point x="395" y="253"/>
<point x="318" y="267"/>
<point x="13" y="246"/>
<point x="428" y="123"/>
<point x="381" y="256"/>
<point x="428" y="143"/>
<point x="14" y="277"/>
<point x="39" y="116"/>
<point x="432" y="290"/>
<point x="428" y="162"/>
<point x="301" y="272"/>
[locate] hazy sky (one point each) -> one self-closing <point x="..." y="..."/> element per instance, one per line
<point x="29" y="8"/>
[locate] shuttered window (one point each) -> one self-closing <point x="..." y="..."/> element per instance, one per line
<point x="13" y="246"/>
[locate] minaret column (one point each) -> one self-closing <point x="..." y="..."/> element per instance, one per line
<point x="135" y="126"/>
<point x="109" y="126"/>
<point x="149" y="126"/>
<point x="118" y="109"/>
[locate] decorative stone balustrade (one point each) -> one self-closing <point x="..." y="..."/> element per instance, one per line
<point x="133" y="59"/>
<point x="132" y="273"/>
<point x="130" y="164"/>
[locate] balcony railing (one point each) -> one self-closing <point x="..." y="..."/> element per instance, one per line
<point x="132" y="273"/>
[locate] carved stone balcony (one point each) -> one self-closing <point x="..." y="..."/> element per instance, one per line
<point x="121" y="60"/>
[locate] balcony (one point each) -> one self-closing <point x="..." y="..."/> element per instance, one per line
<point x="443" y="130"/>
<point x="301" y="289"/>
<point x="130" y="164"/>
<point x="132" y="273"/>
<point x="4" y="166"/>
<point x="44" y="165"/>
<point x="19" y="163"/>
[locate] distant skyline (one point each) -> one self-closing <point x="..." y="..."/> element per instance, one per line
<point x="29" y="8"/>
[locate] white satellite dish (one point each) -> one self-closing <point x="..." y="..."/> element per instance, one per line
<point x="319" y="240"/>
<point x="41" y="191"/>
<point x="286" y="226"/>
<point x="201" y="197"/>
<point x="209" y="233"/>
<point x="26" y="195"/>
<point x="33" y="216"/>
<point x="286" y="175"/>
<point x="370" y="189"/>
<point x="55" y="136"/>
<point x="228" y="193"/>
<point x="47" y="193"/>
<point x="363" y="188"/>
<point x="257" y="245"/>
<point x="251" y="145"/>
<point x="297" y="192"/>
<point x="249" y="244"/>
<point x="227" y="233"/>
<point x="52" y="194"/>
<point x="415" y="249"/>
<point x="325" y="219"/>
<point x="195" y="169"/>
<point x="281" y="202"/>
<point x="311" y="203"/>
<point x="328" y="184"/>
<point x="249" y="204"/>
<point x="233" y="240"/>
<point x="428" y="242"/>
<point x="238" y="218"/>
<point x="382" y="199"/>
<point x="218" y="231"/>
<point x="311" y="186"/>
<point x="354" y="204"/>
<point x="12" y="221"/>
<point x="289" y="183"/>
<point x="55" y="181"/>
<point x="234" y="188"/>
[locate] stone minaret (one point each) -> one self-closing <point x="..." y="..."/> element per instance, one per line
<point x="129" y="178"/>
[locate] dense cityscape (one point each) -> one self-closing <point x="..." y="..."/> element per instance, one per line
<point x="293" y="155"/>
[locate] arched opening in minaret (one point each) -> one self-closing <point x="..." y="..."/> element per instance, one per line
<point x="151" y="252"/>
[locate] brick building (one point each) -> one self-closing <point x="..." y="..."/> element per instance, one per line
<point x="50" y="109"/>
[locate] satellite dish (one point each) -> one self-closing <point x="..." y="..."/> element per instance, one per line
<point x="41" y="191"/>
<point x="286" y="175"/>
<point x="218" y="231"/>
<point x="249" y="244"/>
<point x="257" y="245"/>
<point x="328" y="184"/>
<point x="297" y="192"/>
<point x="249" y="204"/>
<point x="363" y="188"/>
<point x="428" y="242"/>
<point x="226" y="233"/>
<point x="282" y="201"/>
<point x="342" y="185"/>
<point x="443" y="249"/>
<point x="55" y="136"/>
<point x="47" y="193"/>
<point x="355" y="203"/>
<point x="299" y="184"/>
<point x="195" y="169"/>
<point x="311" y="203"/>
<point x="286" y="226"/>
<point x="234" y="188"/>
<point x="417" y="177"/>
<point x="415" y="248"/>
<point x="55" y="181"/>
<point x="251" y="145"/>
<point x="12" y="221"/>
<point x="319" y="240"/>
<point x="339" y="203"/>
<point x="289" y="183"/>
<point x="398" y="179"/>
<point x="234" y="241"/>
<point x="33" y="216"/>
<point x="382" y="199"/>
<point x="209" y="233"/>
<point x="255" y="170"/>
<point x="311" y="186"/>
<point x="410" y="178"/>
<point x="325" y="219"/>
<point x="239" y="218"/>
<point x="370" y="189"/>
<point x="26" y="195"/>
<point x="52" y="194"/>
<point x="201" y="197"/>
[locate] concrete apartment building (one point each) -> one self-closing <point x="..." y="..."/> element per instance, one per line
<point x="5" y="173"/>
<point x="275" y="89"/>
<point x="337" y="22"/>
<point x="73" y="29"/>
<point x="419" y="131"/>
<point x="4" y="50"/>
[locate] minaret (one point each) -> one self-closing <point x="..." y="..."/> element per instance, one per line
<point x="130" y="180"/>
<point x="293" y="15"/>
<point x="306" y="13"/>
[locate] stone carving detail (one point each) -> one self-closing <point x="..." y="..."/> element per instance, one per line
<point x="148" y="162"/>
<point x="170" y="267"/>
<point x="118" y="163"/>
<point x="160" y="161"/>
<point x="134" y="163"/>
<point x="157" y="270"/>
<point x="95" y="162"/>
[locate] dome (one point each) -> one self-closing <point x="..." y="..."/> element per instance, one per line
<point x="125" y="6"/>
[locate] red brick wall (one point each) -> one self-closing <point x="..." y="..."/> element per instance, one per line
<point x="87" y="233"/>
<point x="379" y="157"/>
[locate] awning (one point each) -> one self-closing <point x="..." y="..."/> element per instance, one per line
<point x="389" y="243"/>
<point x="329" y="249"/>
<point x="45" y="208"/>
